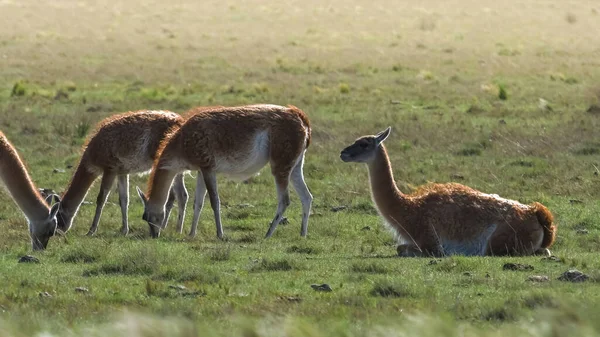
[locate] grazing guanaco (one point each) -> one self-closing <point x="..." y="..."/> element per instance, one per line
<point x="236" y="141"/>
<point x="122" y="144"/>
<point x="41" y="218"/>
<point x="447" y="219"/>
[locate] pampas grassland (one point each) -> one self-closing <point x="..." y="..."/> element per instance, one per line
<point x="501" y="96"/>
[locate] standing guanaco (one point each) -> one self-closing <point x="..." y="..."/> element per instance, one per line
<point x="122" y="144"/>
<point x="236" y="141"/>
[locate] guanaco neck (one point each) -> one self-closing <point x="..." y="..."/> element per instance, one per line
<point x="164" y="170"/>
<point x="390" y="201"/>
<point x="80" y="184"/>
<point x="159" y="186"/>
<point x="19" y="184"/>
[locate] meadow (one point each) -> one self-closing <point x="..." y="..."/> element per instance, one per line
<point x="501" y="96"/>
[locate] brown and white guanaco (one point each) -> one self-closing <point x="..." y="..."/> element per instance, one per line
<point x="121" y="144"/>
<point x="236" y="141"/>
<point x="447" y="219"/>
<point x="40" y="217"/>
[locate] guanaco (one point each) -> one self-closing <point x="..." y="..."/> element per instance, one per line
<point x="121" y="144"/>
<point x="447" y="219"/>
<point x="41" y="218"/>
<point x="236" y="141"/>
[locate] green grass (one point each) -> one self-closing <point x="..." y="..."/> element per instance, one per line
<point x="431" y="74"/>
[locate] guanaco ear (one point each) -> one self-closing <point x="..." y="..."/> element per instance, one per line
<point x="54" y="210"/>
<point x="380" y="137"/>
<point x="51" y="197"/>
<point x="142" y="195"/>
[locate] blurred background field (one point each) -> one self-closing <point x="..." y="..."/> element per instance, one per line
<point x="501" y="96"/>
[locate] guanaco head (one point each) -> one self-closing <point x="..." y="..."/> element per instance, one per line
<point x="42" y="230"/>
<point x="364" y="148"/>
<point x="152" y="214"/>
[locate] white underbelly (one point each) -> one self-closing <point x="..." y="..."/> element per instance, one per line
<point x="476" y="246"/>
<point x="247" y="163"/>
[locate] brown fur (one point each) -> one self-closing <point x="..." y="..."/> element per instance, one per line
<point x="227" y="140"/>
<point x="120" y="137"/>
<point x="211" y="132"/>
<point x="13" y="174"/>
<point x="438" y="218"/>
<point x="120" y="144"/>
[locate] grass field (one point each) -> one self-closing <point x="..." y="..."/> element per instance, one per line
<point x="501" y="96"/>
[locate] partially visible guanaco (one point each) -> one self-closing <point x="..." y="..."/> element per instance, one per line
<point x="41" y="218"/>
<point x="122" y="144"/>
<point x="237" y="141"/>
<point x="448" y="219"/>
